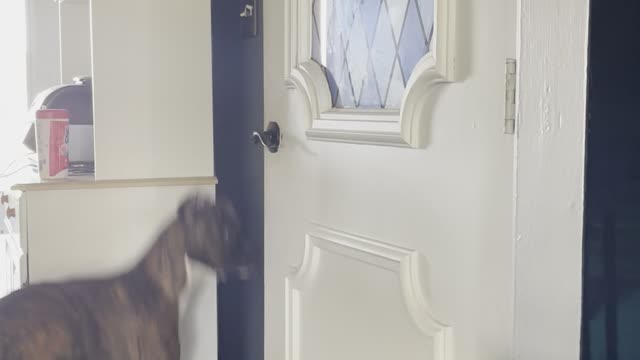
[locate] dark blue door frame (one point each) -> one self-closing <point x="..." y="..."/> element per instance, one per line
<point x="611" y="265"/>
<point x="239" y="166"/>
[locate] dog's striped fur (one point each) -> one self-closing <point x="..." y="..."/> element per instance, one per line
<point x="133" y="315"/>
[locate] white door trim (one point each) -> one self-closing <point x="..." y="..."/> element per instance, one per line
<point x="549" y="178"/>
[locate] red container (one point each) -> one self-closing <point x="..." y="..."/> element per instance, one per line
<point x="52" y="142"/>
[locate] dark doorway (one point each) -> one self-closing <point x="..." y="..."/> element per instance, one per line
<point x="239" y="164"/>
<point x="611" y="285"/>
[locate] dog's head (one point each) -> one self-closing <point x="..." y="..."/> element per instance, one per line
<point x="213" y="234"/>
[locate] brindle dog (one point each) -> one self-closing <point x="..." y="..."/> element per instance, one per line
<point x="133" y="315"/>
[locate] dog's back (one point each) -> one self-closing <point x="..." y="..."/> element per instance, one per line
<point x="41" y="322"/>
<point x="93" y="319"/>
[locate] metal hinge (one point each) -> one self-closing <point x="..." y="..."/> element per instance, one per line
<point x="510" y="97"/>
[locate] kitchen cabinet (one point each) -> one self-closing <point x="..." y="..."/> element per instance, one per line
<point x="153" y="132"/>
<point x="82" y="228"/>
<point x="88" y="229"/>
<point x="152" y="88"/>
<point x="150" y="63"/>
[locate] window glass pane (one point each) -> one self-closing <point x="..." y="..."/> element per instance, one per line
<point x="368" y="48"/>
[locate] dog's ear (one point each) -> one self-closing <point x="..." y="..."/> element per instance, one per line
<point x="227" y="211"/>
<point x="188" y="209"/>
<point x="194" y="207"/>
<point x="242" y="252"/>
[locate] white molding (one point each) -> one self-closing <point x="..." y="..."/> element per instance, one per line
<point x="409" y="265"/>
<point x="72" y="1"/>
<point x="549" y="178"/>
<point x="88" y="182"/>
<point x="396" y="128"/>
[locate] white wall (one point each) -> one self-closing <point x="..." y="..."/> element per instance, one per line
<point x="13" y="83"/>
<point x="75" y="39"/>
<point x="549" y="184"/>
<point x="44" y="45"/>
<point x="59" y="43"/>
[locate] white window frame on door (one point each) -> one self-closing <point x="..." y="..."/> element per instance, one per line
<point x="550" y="150"/>
<point x="404" y="127"/>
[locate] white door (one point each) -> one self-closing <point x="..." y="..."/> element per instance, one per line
<point x="388" y="232"/>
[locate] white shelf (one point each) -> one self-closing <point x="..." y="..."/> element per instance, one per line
<point x="89" y="183"/>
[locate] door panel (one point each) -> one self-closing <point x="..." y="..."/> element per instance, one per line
<point x="447" y="204"/>
<point x="353" y="292"/>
